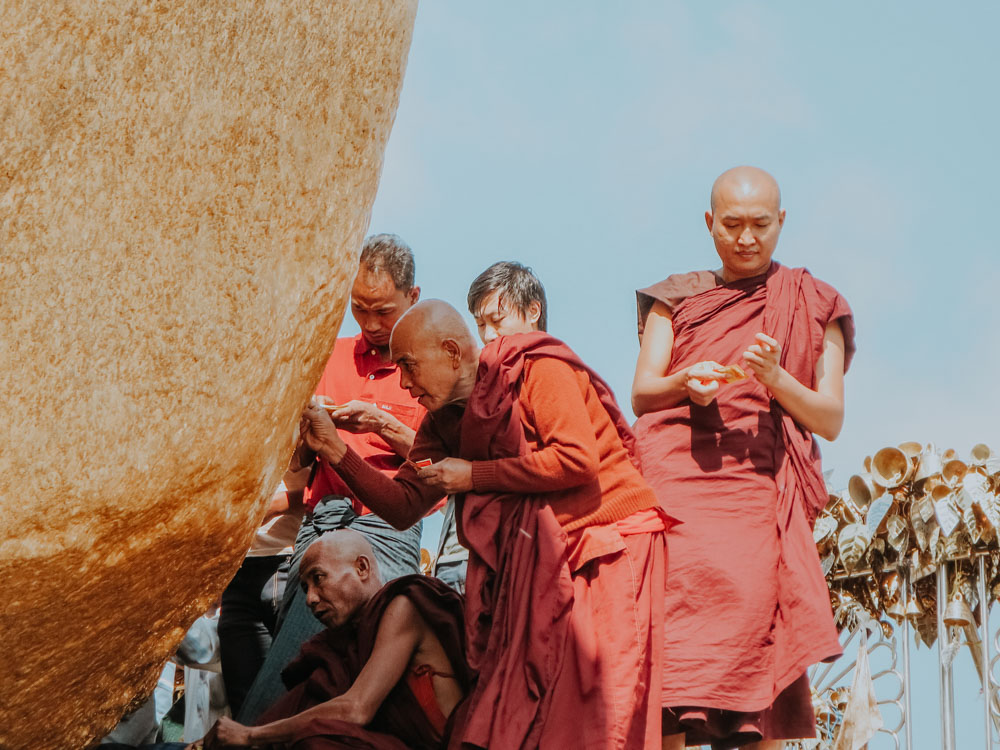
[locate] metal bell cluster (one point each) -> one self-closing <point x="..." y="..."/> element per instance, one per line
<point x="911" y="509"/>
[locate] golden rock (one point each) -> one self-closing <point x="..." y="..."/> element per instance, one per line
<point x="184" y="191"/>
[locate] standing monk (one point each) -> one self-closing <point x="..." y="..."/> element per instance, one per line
<point x="734" y="458"/>
<point x="565" y="578"/>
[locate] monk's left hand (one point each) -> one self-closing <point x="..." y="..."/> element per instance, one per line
<point x="359" y="416"/>
<point x="450" y="475"/>
<point x="226" y="733"/>
<point x="764" y="358"/>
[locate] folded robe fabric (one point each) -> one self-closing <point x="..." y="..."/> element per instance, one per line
<point x="330" y="661"/>
<point x="519" y="583"/>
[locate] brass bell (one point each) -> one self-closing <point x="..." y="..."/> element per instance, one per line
<point x="896" y="611"/>
<point x="957" y="612"/>
<point x="839" y="699"/>
<point x="913" y="610"/>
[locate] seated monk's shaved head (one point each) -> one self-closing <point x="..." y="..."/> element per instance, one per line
<point x="745" y="220"/>
<point x="436" y="353"/>
<point x="339" y="574"/>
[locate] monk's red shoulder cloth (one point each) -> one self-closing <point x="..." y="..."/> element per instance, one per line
<point x="797" y="305"/>
<point x="330" y="662"/>
<point x="519" y="593"/>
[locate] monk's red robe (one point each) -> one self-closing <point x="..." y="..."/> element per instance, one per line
<point x="747" y="609"/>
<point x="330" y="661"/>
<point x="567" y="557"/>
<point x="564" y="629"/>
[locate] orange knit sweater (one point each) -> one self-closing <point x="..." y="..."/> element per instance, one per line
<point x="576" y="458"/>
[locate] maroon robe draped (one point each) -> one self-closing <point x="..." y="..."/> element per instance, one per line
<point x="519" y="588"/>
<point x="747" y="607"/>
<point x="330" y="661"/>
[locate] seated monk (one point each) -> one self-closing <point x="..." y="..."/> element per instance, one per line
<point x="386" y="672"/>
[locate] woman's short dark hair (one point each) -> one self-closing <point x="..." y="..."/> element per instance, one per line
<point x="518" y="287"/>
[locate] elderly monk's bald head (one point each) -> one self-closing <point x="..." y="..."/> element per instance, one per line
<point x="436" y="353"/>
<point x="745" y="220"/>
<point x="339" y="574"/>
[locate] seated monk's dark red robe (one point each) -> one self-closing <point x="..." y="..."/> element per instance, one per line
<point x="747" y="608"/>
<point x="330" y="661"/>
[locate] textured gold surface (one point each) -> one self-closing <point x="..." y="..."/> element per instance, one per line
<point x="184" y="187"/>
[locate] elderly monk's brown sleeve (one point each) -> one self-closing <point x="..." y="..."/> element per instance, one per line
<point x="403" y="499"/>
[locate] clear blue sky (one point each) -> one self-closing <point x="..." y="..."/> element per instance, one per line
<point x="582" y="138"/>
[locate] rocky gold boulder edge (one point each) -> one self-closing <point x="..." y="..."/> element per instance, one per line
<point x="184" y="188"/>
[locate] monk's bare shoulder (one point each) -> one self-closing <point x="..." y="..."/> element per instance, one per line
<point x="400" y="612"/>
<point x="402" y="617"/>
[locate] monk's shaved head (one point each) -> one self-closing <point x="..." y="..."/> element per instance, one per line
<point x="436" y="353"/>
<point x="339" y="547"/>
<point x="746" y="182"/>
<point x="339" y="574"/>
<point x="745" y="220"/>
<point x="433" y="320"/>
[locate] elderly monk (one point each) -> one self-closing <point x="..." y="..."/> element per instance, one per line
<point x="731" y="453"/>
<point x="565" y="579"/>
<point x="385" y="674"/>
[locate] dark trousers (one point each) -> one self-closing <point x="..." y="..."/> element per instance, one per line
<point x="247" y="622"/>
<point x="397" y="553"/>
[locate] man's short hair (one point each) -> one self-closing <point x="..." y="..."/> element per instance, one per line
<point x="518" y="287"/>
<point x="387" y="253"/>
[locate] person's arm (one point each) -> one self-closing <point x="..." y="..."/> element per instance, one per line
<point x="820" y="411"/>
<point x="402" y="500"/>
<point x="302" y="457"/>
<point x="568" y="457"/>
<point x="361" y="416"/>
<point x="399" y="635"/>
<point x="282" y="503"/>
<point x="652" y="388"/>
<point x="289" y="501"/>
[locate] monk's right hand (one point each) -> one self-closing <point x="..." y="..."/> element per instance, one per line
<point x="319" y="433"/>
<point x="224" y="734"/>
<point x="703" y="380"/>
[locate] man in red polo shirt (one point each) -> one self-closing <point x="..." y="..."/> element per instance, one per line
<point x="377" y="418"/>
